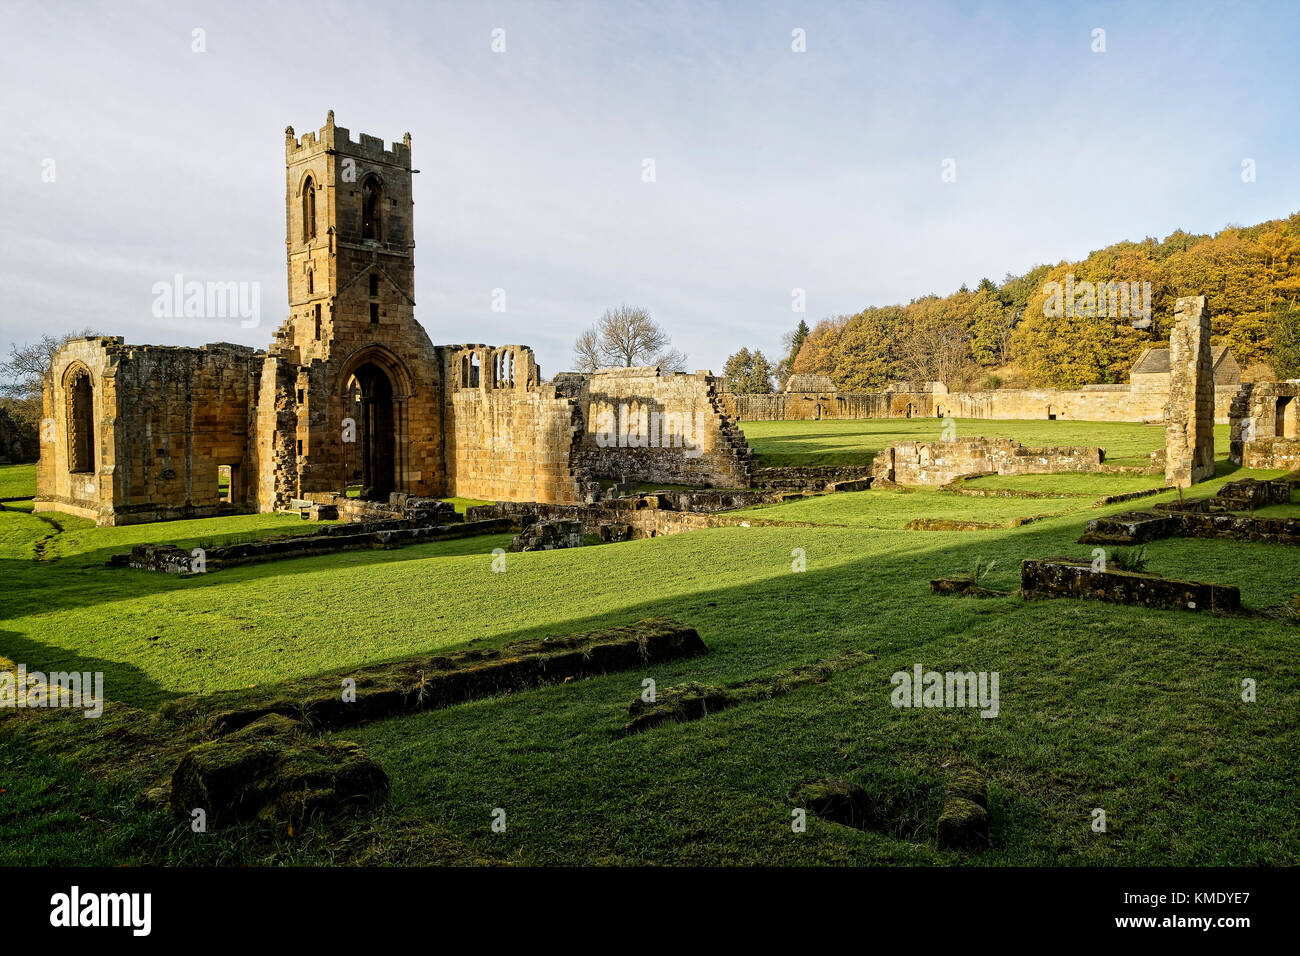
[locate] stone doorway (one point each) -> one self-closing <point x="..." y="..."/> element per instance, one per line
<point x="375" y="457"/>
<point x="1288" y="422"/>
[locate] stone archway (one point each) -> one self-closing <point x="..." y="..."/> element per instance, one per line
<point x="79" y="391"/>
<point x="376" y="389"/>
<point x="371" y="393"/>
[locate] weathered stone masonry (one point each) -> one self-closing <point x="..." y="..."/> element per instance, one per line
<point x="941" y="462"/>
<point x="351" y="392"/>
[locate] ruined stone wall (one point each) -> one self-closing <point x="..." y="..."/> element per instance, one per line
<point x="644" y="426"/>
<point x="1095" y="403"/>
<point x="1265" y="425"/>
<point x="165" y="419"/>
<point x="273" y="459"/>
<point x="938" y="463"/>
<point x="1189" y="429"/>
<point x="508" y="437"/>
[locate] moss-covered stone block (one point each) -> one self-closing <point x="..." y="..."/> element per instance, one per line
<point x="270" y="771"/>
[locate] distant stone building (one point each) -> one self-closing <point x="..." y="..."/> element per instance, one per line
<point x="352" y="392"/>
<point x="1151" y="372"/>
<point x="808" y="383"/>
<point x="1142" y="399"/>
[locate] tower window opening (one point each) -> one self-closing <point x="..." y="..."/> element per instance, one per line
<point x="308" y="209"/>
<point x="374" y="313"/>
<point x="371" y="197"/>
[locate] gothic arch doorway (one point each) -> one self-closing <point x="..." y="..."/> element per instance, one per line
<point x="370" y="392"/>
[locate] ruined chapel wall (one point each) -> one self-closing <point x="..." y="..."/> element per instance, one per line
<point x="87" y="494"/>
<point x="637" y="422"/>
<point x="507" y="436"/>
<point x="166" y="418"/>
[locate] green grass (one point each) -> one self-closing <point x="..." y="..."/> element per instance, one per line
<point x="1081" y="484"/>
<point x="892" y="509"/>
<point x="1130" y="709"/>
<point x="17" y="480"/>
<point x="856" y="441"/>
<point x="462" y="503"/>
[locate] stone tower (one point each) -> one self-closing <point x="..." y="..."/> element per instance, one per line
<point x="349" y="238"/>
<point x="1189" y="416"/>
<point x="367" y="379"/>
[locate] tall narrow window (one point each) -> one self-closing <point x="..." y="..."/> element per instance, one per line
<point x="317" y="321"/>
<point x="374" y="284"/>
<point x="308" y="209"/>
<point x="371" y="198"/>
<point x="311" y="282"/>
<point x="81" y="420"/>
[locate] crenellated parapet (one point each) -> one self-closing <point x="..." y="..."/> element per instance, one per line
<point x="332" y="138"/>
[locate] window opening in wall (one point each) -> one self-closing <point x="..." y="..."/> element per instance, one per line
<point x="81" y="422"/>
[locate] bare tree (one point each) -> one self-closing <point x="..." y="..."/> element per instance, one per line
<point x="626" y="337"/>
<point x="586" y="351"/>
<point x="21" y="376"/>
<point x="936" y="349"/>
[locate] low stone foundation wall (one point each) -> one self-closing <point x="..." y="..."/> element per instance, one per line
<point x="399" y="505"/>
<point x="1237" y="528"/>
<point x="709" y="501"/>
<point x="1139" y="527"/>
<point x="1067" y="578"/>
<point x="328" y="540"/>
<point x="814" y="478"/>
<point x="939" y="463"/>
<point x="634" y="518"/>
<point x="548" y="536"/>
<point x="442" y="680"/>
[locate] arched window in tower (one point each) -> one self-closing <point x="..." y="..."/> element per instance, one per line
<point x="311" y="282"/>
<point x="372" y="195"/>
<point x="81" y="419"/>
<point x="308" y="209"/>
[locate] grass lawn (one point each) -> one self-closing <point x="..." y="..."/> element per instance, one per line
<point x="461" y="504"/>
<point x="856" y="441"/>
<point x="17" y="480"/>
<point x="1134" y="710"/>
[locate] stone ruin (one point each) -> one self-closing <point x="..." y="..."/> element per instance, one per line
<point x="352" y="394"/>
<point x="1265" y="423"/>
<point x="942" y="462"/>
<point x="1189" y="416"/>
<point x="352" y="400"/>
<point x="548" y="536"/>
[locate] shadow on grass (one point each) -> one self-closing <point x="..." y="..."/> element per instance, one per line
<point x="122" y="682"/>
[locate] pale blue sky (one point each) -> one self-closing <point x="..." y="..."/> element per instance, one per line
<point x="775" y="170"/>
